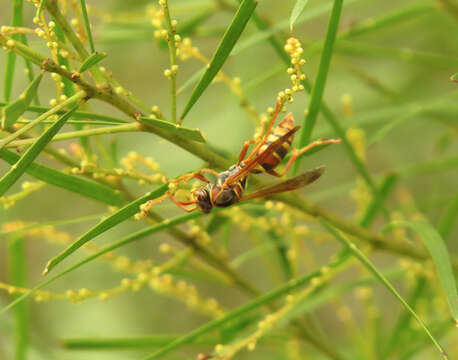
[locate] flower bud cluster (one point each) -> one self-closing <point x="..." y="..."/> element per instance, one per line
<point x="27" y="189"/>
<point x="187" y="293"/>
<point x="294" y="49"/>
<point x="185" y="50"/>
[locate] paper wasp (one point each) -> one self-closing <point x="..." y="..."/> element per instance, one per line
<point x="268" y="153"/>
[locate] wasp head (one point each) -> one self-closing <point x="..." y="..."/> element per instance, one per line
<point x="203" y="200"/>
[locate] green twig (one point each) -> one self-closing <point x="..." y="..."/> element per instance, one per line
<point x="11" y="57"/>
<point x="87" y="25"/>
<point x="318" y="89"/>
<point x="17" y="267"/>
<point x="81" y="133"/>
<point x="368" y="264"/>
<point x="79" y="95"/>
<point x="171" y="31"/>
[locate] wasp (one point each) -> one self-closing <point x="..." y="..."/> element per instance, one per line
<point x="268" y="153"/>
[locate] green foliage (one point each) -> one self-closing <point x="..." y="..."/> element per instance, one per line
<point x="298" y="8"/>
<point x="12" y="111"/>
<point x="228" y="41"/>
<point x="262" y="278"/>
<point x="439" y="255"/>
<point x="30" y="155"/>
<point x="92" y="60"/>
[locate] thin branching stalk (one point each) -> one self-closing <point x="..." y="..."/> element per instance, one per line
<point x="171" y="32"/>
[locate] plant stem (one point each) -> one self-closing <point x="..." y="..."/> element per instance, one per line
<point x="205" y="153"/>
<point x="18" y="277"/>
<point x="79" y="95"/>
<point x="173" y="60"/>
<point x="318" y="90"/>
<point x="52" y="7"/>
<point x="80" y="133"/>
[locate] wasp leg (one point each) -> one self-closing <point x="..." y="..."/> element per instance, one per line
<point x="244" y="150"/>
<point x="274" y="173"/>
<point x="267" y="133"/>
<point x="296" y="153"/>
<point x="182" y="204"/>
<point x="211" y="171"/>
<point x="186" y="177"/>
<point x="248" y="143"/>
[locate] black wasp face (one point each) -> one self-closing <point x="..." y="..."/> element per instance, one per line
<point x="203" y="200"/>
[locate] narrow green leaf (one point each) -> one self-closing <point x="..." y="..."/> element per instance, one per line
<point x="81" y="186"/>
<point x="297" y="10"/>
<point x="371" y="267"/>
<point x="242" y="310"/>
<point x="376" y="203"/>
<point x="69" y="86"/>
<point x="318" y="89"/>
<point x="191" y="80"/>
<point x="454" y="78"/>
<point x="268" y="33"/>
<point x="87" y="25"/>
<point x="12" y="111"/>
<point x="17" y="266"/>
<point x="11" y="55"/>
<point x="119" y="216"/>
<point x="166" y="224"/>
<point x="397" y="335"/>
<point x="228" y="41"/>
<point x="448" y="218"/>
<point x="77" y="114"/>
<point x="436" y="247"/>
<point x="191" y="134"/>
<point x="29" y="156"/>
<point x="128" y="343"/>
<point x="92" y="60"/>
<point x="61" y="106"/>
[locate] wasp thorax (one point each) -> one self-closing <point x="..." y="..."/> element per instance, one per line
<point x="203" y="200"/>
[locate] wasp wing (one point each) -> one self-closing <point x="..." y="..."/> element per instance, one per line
<point x="288" y="185"/>
<point x="250" y="165"/>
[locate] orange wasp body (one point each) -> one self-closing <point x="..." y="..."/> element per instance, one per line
<point x="229" y="185"/>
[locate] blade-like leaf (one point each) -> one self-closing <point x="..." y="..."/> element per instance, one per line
<point x="191" y="80"/>
<point x="318" y="89"/>
<point x="128" y="342"/>
<point x="166" y="224"/>
<point x="92" y="60"/>
<point x="29" y="156"/>
<point x="71" y="183"/>
<point x="119" y="216"/>
<point x="12" y="111"/>
<point x="87" y="25"/>
<point x="242" y="310"/>
<point x="371" y="267"/>
<point x="18" y="277"/>
<point x="191" y="134"/>
<point x="228" y="41"/>
<point x="441" y="259"/>
<point x="11" y="55"/>
<point x="297" y="10"/>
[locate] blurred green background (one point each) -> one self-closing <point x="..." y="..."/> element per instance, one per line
<point x="398" y="74"/>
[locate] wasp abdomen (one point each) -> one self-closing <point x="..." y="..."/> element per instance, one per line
<point x="279" y="154"/>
